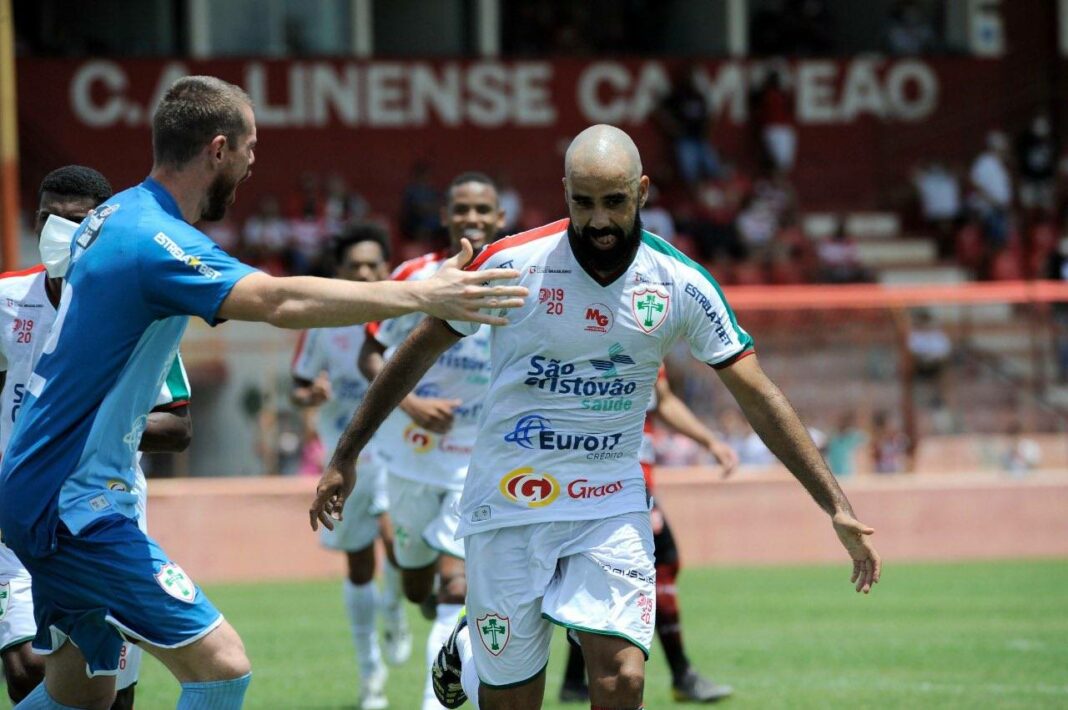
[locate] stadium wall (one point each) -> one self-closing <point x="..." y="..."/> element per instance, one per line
<point x="863" y="122"/>
<point x="247" y="529"/>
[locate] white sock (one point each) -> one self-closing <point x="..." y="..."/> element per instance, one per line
<point x="360" y="605"/>
<point x="439" y="634"/>
<point x="391" y="599"/>
<point x="468" y="671"/>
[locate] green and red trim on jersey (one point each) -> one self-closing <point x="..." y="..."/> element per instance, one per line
<point x="515" y="240"/>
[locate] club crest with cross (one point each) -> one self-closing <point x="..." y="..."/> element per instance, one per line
<point x="176" y="582"/>
<point x="494" y="630"/>
<point x="650" y="307"/>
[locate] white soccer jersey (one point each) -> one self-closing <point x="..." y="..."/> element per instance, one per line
<point x="462" y="372"/>
<point x="26" y="316"/>
<point x="573" y="373"/>
<point x="333" y="351"/>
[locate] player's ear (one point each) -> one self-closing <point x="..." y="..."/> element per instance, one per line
<point x="643" y="190"/>
<point x="218" y="148"/>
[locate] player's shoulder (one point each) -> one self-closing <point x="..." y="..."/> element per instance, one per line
<point x="16" y="284"/>
<point x="667" y="259"/>
<point x="513" y="251"/>
<point x="419" y="267"/>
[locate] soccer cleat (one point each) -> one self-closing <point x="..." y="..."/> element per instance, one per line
<point x="571" y="693"/>
<point x="694" y="688"/>
<point x="445" y="673"/>
<point x="398" y="643"/>
<point x="373" y="691"/>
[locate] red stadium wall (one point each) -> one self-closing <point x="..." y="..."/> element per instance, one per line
<point x="257" y="528"/>
<point x="863" y="122"/>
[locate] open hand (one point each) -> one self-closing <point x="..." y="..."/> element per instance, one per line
<point x="866" y="563"/>
<point x="727" y="457"/>
<point x="454" y="294"/>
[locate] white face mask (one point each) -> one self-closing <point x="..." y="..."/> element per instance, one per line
<point x="55" y="245"/>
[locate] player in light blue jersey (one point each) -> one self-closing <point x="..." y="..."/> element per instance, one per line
<point x="28" y="306"/>
<point x="138" y="270"/>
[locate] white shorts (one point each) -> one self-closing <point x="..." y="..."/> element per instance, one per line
<point x="596" y="576"/>
<point x="425" y="519"/>
<point x="16" y="609"/>
<point x="358" y="527"/>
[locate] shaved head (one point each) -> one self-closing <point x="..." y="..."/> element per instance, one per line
<point x="605" y="189"/>
<point x="603" y="151"/>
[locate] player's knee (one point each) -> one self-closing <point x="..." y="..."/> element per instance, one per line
<point x="453" y="590"/>
<point x="417" y="584"/>
<point x="625" y="684"/>
<point x="362" y="566"/>
<point x="23" y="671"/>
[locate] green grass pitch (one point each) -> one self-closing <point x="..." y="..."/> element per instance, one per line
<point x="977" y="635"/>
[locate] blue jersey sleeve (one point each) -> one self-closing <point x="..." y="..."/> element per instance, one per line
<point x="183" y="272"/>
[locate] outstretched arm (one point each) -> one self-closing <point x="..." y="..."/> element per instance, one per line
<point x="403" y="371"/>
<point x="431" y="413"/>
<point x="310" y="302"/>
<point x="781" y="429"/>
<point x="674" y="412"/>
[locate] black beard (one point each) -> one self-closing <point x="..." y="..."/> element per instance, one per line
<point x="218" y="196"/>
<point x="606" y="261"/>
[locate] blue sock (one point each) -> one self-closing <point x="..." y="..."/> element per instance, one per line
<point x="39" y="699"/>
<point x="214" y="695"/>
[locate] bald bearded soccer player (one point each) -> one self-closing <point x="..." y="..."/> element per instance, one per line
<point x="555" y="513"/>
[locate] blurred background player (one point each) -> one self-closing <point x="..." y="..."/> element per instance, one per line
<point x="426" y="446"/>
<point x="687" y="685"/>
<point x="28" y="303"/>
<point x="325" y="375"/>
<point x="565" y="538"/>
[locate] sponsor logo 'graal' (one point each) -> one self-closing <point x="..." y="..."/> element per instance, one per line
<point x="552" y="375"/>
<point x="650" y="307"/>
<point x="580" y="489"/>
<point x="599" y="318"/>
<point x="534" y="490"/>
<point x="710" y="312"/>
<point x="534" y="431"/>
<point x="188" y="259"/>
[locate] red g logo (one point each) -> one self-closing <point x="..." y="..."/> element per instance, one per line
<point x="534" y="490"/>
<point x="419" y="439"/>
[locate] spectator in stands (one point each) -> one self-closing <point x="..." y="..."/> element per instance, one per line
<point x="685" y="118"/>
<point x="305" y="200"/>
<point x="419" y="205"/>
<point x="1036" y="160"/>
<point x="775" y="118"/>
<point x="656" y="218"/>
<point x="889" y="445"/>
<point x="342" y="205"/>
<point x="843" y="444"/>
<point x="1022" y="454"/>
<point x="839" y="258"/>
<point x="709" y="218"/>
<point x="930" y="351"/>
<point x="909" y="32"/>
<point x="992" y="192"/>
<point x="265" y="237"/>
<point x="941" y="207"/>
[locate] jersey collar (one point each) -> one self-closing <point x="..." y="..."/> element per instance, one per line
<point x="163" y="197"/>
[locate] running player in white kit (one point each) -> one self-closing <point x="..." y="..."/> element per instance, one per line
<point x="426" y="445"/>
<point x="555" y="513"/>
<point x="325" y="375"/>
<point x="28" y="301"/>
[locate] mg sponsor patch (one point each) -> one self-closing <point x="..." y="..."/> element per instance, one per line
<point x="650" y="307"/>
<point x="176" y="582"/>
<point x="495" y="631"/>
